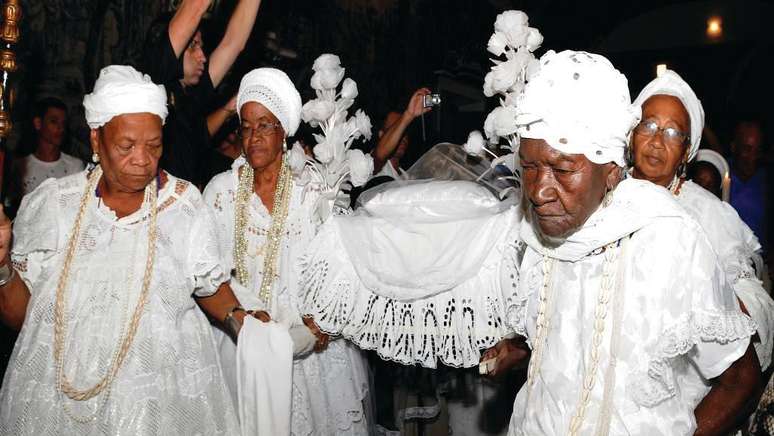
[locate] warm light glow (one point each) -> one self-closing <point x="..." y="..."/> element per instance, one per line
<point x="660" y="68"/>
<point x="714" y="27"/>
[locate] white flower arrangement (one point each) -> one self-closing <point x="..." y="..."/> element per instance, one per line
<point x="514" y="39"/>
<point x="333" y="162"/>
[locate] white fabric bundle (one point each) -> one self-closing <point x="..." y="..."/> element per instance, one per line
<point x="670" y="83"/>
<point x="264" y="378"/>
<point x="273" y="89"/>
<point x="120" y="89"/>
<point x="579" y="104"/>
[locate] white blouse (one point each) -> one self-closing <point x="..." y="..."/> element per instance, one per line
<point x="672" y="307"/>
<point x="171" y="381"/>
<point x="328" y="387"/>
<point x="735" y="244"/>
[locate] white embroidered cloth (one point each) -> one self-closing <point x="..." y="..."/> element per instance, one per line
<point x="678" y="312"/>
<point x="264" y="378"/>
<point x="171" y="381"/>
<point x="415" y="273"/>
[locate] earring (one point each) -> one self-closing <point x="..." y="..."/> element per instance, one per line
<point x="284" y="146"/>
<point x="95" y="157"/>
<point x="608" y="198"/>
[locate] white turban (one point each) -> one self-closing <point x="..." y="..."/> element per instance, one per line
<point x="579" y="104"/>
<point x="120" y="89"/>
<point x="273" y="89"/>
<point x="670" y="83"/>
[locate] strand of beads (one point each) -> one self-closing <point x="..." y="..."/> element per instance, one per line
<point x="279" y="215"/>
<point x="244" y="191"/>
<point x="60" y="316"/>
<point x="542" y="322"/>
<point x="600" y="314"/>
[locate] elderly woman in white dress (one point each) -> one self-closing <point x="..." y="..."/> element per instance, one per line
<point x="265" y="221"/>
<point x="105" y="273"/>
<point x="663" y="144"/>
<point x="620" y="294"/>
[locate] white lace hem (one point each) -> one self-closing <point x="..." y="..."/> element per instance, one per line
<point x="452" y="326"/>
<point x="657" y="384"/>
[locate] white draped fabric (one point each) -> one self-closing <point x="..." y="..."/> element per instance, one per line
<point x="328" y="387"/>
<point x="415" y="273"/>
<point x="675" y="312"/>
<point x="735" y="244"/>
<point x="171" y="381"/>
<point x="264" y="384"/>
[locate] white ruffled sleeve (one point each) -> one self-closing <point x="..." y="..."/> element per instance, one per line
<point x="204" y="257"/>
<point x="36" y="232"/>
<point x="701" y="319"/>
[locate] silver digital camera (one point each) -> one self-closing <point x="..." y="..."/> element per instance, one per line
<point x="431" y="100"/>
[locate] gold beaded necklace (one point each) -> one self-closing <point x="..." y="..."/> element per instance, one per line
<point x="60" y="317"/>
<point x="279" y="215"/>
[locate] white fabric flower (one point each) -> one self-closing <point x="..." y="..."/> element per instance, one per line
<point x="363" y="123"/>
<point x="501" y="122"/>
<point x="361" y="167"/>
<point x="513" y="24"/>
<point x="343" y="104"/>
<point x="475" y="144"/>
<point x="349" y="89"/>
<point x="326" y="61"/>
<point x="323" y="151"/>
<point x="497" y="43"/>
<point x="328" y="78"/>
<point x="534" y="39"/>
<point x="317" y="110"/>
<point x="297" y="158"/>
<point x="504" y="75"/>
<point x="488" y="88"/>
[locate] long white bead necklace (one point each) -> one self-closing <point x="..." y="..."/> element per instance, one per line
<point x="600" y="313"/>
<point x="279" y="214"/>
<point x="65" y="386"/>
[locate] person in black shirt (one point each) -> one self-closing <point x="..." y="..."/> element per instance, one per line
<point x="173" y="56"/>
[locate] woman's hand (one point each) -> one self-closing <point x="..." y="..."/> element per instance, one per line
<point x="5" y="236"/>
<point x="510" y="353"/>
<point x="322" y="338"/>
<point x="261" y="315"/>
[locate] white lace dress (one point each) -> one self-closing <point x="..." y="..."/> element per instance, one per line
<point x="735" y="244"/>
<point x="672" y="311"/>
<point x="171" y="381"/>
<point x="329" y="388"/>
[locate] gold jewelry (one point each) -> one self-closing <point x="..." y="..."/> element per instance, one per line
<point x="60" y="316"/>
<point x="279" y="215"/>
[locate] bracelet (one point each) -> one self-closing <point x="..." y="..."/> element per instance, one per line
<point x="6" y="273"/>
<point x="231" y="323"/>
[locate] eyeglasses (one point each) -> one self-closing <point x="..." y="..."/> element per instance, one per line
<point x="670" y="135"/>
<point x="262" y="129"/>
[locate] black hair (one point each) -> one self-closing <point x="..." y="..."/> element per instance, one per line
<point x="43" y="105"/>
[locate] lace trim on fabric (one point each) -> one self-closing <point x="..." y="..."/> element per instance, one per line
<point x="658" y="384"/>
<point x="452" y="326"/>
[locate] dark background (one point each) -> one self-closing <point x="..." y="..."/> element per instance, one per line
<point x="391" y="47"/>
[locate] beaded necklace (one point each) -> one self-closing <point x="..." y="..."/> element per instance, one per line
<point x="279" y="215"/>
<point x="65" y="386"/>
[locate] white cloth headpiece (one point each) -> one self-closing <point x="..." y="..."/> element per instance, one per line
<point x="579" y="104"/>
<point x="120" y="89"/>
<point x="670" y="83"/>
<point x="719" y="162"/>
<point x="273" y="89"/>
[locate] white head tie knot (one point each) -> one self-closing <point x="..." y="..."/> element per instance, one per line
<point x="579" y="104"/>
<point x="670" y="83"/>
<point x="273" y="89"/>
<point x="120" y="89"/>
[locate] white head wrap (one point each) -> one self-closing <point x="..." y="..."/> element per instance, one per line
<point x="120" y="89"/>
<point x="670" y="83"/>
<point x="716" y="160"/>
<point x="579" y="104"/>
<point x="273" y="89"/>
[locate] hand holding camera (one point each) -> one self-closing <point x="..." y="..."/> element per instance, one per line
<point x="417" y="104"/>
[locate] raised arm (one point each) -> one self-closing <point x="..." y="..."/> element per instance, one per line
<point x="216" y="119"/>
<point x="14" y="294"/>
<point x="392" y="135"/>
<point x="185" y="22"/>
<point x="238" y="31"/>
